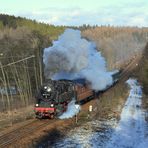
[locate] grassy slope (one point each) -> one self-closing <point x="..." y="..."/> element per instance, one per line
<point x="141" y="72"/>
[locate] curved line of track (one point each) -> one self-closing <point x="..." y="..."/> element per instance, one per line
<point x="130" y="67"/>
<point x="13" y="136"/>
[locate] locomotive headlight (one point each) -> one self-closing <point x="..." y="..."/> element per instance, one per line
<point x="37" y="105"/>
<point x="45" y="87"/>
<point x="48" y="89"/>
<point x="52" y="105"/>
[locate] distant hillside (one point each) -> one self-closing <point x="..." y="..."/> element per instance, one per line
<point x="118" y="44"/>
<point x="44" y="29"/>
<point x="18" y="35"/>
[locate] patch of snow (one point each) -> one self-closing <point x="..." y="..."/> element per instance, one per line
<point x="130" y="132"/>
<point x="91" y="134"/>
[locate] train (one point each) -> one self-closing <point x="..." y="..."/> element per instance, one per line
<point x="54" y="95"/>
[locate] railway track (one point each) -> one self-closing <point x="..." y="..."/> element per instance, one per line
<point x="127" y="70"/>
<point x="13" y="136"/>
<point x="125" y="74"/>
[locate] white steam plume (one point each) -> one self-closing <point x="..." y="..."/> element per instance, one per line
<point x="73" y="57"/>
<point x="72" y="110"/>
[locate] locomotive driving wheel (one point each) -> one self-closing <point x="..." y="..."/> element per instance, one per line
<point x="39" y="115"/>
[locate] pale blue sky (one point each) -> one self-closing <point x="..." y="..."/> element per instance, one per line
<point x="78" y="12"/>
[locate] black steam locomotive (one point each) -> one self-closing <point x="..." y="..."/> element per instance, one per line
<point x="54" y="96"/>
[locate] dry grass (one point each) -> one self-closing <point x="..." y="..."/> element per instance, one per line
<point x="10" y="118"/>
<point x="111" y="103"/>
<point x="107" y="105"/>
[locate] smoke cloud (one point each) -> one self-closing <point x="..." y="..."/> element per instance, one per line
<point x="72" y="110"/>
<point x="72" y="57"/>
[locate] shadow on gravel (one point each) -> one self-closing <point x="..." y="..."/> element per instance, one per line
<point x="50" y="139"/>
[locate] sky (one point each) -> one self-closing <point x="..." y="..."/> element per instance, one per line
<point x="79" y="12"/>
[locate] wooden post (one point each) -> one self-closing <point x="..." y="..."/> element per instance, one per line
<point x="90" y="111"/>
<point x="76" y="118"/>
<point x="77" y="107"/>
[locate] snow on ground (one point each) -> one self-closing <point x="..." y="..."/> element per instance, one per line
<point x="93" y="134"/>
<point x="130" y="132"/>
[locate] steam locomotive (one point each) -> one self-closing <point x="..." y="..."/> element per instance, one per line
<point x="53" y="97"/>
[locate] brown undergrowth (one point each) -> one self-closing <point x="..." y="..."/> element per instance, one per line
<point x="10" y="118"/>
<point x="107" y="105"/>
